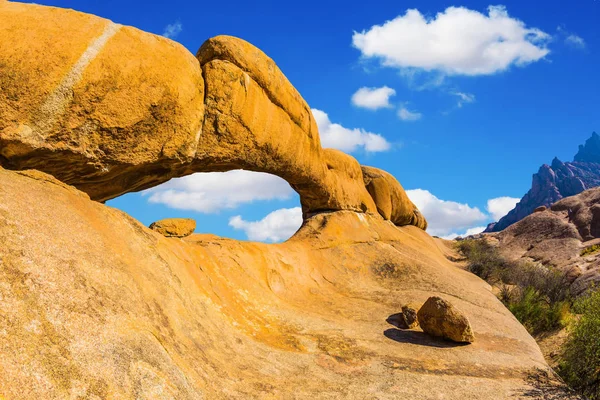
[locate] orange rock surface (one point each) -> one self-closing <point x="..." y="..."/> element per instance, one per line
<point x="95" y="305"/>
<point x="112" y="109"/>
<point x="87" y="312"/>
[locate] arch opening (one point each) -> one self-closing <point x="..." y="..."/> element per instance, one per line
<point x="237" y="204"/>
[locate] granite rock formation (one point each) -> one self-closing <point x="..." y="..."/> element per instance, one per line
<point x="95" y="305"/>
<point x="564" y="236"/>
<point x="556" y="181"/>
<point x="113" y="109"/>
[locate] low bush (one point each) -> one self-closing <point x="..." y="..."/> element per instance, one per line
<point x="580" y="366"/>
<point x="534" y="310"/>
<point x="590" y="250"/>
<point x="483" y="259"/>
<point x="538" y="296"/>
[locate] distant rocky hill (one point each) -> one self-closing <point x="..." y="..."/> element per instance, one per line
<point x="557" y="181"/>
<point x="565" y="236"/>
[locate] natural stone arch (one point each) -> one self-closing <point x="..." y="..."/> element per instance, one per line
<point x="117" y="110"/>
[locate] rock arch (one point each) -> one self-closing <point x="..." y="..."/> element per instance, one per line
<point x="110" y="109"/>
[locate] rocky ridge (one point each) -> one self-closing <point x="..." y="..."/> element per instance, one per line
<point x="565" y="236"/>
<point x="557" y="181"/>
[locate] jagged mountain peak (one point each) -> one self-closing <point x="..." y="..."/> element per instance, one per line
<point x="590" y="151"/>
<point x="558" y="180"/>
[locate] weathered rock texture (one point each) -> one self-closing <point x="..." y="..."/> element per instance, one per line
<point x="105" y="107"/>
<point x="174" y="227"/>
<point x="95" y="305"/>
<point x="558" y="237"/>
<point x="556" y="181"/>
<point x="86" y="312"/>
<point x="391" y="199"/>
<point x="111" y="109"/>
<point x="438" y="317"/>
<point x="409" y="315"/>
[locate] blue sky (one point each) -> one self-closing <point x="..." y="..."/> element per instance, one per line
<point x="476" y="125"/>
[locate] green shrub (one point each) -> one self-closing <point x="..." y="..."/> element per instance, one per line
<point x="548" y="282"/>
<point x="580" y="366"/>
<point x="590" y="250"/>
<point x="538" y="296"/>
<point x="536" y="312"/>
<point x="483" y="259"/>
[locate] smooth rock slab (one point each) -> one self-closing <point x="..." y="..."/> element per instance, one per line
<point x="439" y="317"/>
<point x="174" y="227"/>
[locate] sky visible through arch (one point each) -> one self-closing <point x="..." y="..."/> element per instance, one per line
<point x="462" y="102"/>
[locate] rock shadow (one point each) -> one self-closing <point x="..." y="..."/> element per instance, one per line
<point x="397" y="320"/>
<point x="419" y="338"/>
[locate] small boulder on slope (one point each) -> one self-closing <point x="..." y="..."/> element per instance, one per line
<point x="440" y="318"/>
<point x="409" y="314"/>
<point x="174" y="227"/>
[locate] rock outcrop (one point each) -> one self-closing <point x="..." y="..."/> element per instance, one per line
<point x="556" y="181"/>
<point x="558" y="237"/>
<point x="174" y="227"/>
<point x="114" y="110"/>
<point x="439" y="317"/>
<point x="95" y="305"/>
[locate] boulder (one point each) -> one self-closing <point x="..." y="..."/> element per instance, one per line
<point x="540" y="209"/>
<point x="174" y="227"/>
<point x="391" y="199"/>
<point x="439" y="317"/>
<point x="409" y="314"/>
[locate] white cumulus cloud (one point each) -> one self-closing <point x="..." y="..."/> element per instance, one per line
<point x="406" y="115"/>
<point x="277" y="226"/>
<point x="373" y="98"/>
<point x="445" y="217"/>
<point x="214" y="191"/>
<point x="173" y="30"/>
<point x="468" y="232"/>
<point x="500" y="206"/>
<point x="348" y="140"/>
<point x="457" y="41"/>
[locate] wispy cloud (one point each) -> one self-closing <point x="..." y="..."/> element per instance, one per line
<point x="407" y="115"/>
<point x="463" y="98"/>
<point x="569" y="38"/>
<point x="575" y="41"/>
<point x="173" y="30"/>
